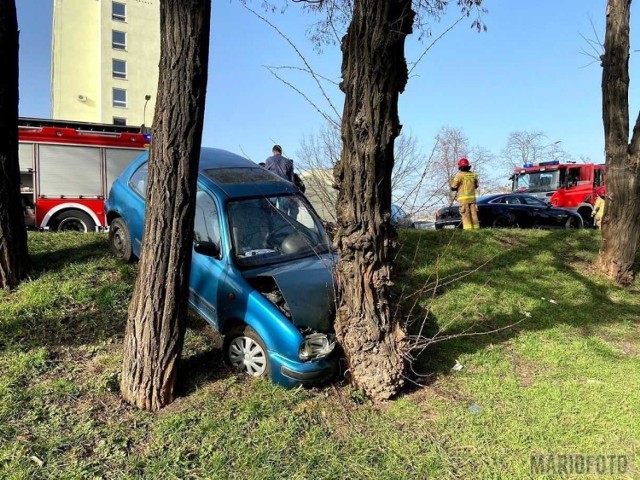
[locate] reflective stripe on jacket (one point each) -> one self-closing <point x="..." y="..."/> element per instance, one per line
<point x="465" y="183"/>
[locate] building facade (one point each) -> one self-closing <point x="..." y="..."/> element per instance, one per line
<point x="104" y="65"/>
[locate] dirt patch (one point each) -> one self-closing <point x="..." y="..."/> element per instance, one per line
<point x="628" y="348"/>
<point x="525" y="371"/>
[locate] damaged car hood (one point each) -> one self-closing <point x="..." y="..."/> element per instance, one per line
<point x="307" y="287"/>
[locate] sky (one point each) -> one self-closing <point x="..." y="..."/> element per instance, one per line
<point x="527" y="72"/>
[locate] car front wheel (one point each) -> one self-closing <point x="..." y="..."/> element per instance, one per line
<point x="503" y="221"/>
<point x="245" y="352"/>
<point x="572" y="222"/>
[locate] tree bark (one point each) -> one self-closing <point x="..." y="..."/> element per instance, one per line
<point x="156" y="327"/>
<point x="14" y="261"/>
<point x="374" y="73"/>
<point x="621" y="222"/>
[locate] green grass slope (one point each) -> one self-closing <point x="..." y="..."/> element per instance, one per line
<point x="542" y="377"/>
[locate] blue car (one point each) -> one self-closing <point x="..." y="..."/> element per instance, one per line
<point x="262" y="266"/>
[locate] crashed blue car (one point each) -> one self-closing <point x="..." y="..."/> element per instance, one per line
<point x="262" y="267"/>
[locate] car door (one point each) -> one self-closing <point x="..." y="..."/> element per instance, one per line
<point x="135" y="207"/>
<point x="508" y="211"/>
<point x="208" y="272"/>
<point x="538" y="211"/>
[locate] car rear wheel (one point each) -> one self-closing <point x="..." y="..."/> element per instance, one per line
<point x="245" y="352"/>
<point x="120" y="240"/>
<point x="503" y="221"/>
<point x="73" y="221"/>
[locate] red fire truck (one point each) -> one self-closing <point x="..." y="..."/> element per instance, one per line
<point x="67" y="168"/>
<point x="566" y="185"/>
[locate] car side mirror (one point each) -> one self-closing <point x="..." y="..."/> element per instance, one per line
<point x="209" y="249"/>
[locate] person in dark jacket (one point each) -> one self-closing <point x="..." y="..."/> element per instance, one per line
<point x="279" y="164"/>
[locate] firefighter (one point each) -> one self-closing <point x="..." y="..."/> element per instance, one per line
<point x="465" y="184"/>
<point x="598" y="208"/>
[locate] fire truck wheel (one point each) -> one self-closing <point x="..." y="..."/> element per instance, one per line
<point x="120" y="240"/>
<point x="587" y="219"/>
<point x="73" y="221"/>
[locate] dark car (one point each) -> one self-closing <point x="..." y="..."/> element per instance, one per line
<point x="515" y="210"/>
<point x="448" y="217"/>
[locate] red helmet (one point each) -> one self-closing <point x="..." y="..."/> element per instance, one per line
<point x="600" y="191"/>
<point x="463" y="162"/>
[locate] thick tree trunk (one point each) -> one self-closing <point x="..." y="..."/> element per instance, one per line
<point x="13" y="236"/>
<point x="621" y="223"/>
<point x="155" y="329"/>
<point x="374" y="74"/>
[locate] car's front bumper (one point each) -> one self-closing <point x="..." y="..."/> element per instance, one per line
<point x="290" y="373"/>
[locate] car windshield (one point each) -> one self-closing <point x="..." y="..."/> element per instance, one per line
<point x="269" y="230"/>
<point x="536" y="181"/>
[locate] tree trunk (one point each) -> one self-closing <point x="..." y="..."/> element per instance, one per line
<point x="621" y="223"/>
<point x="156" y="327"/>
<point x="14" y="259"/>
<point x="374" y="74"/>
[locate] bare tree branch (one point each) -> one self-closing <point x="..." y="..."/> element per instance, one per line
<point x="435" y="40"/>
<point x="302" y="57"/>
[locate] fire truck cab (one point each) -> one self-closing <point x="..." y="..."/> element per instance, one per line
<point x="566" y="185"/>
<point x="67" y="168"/>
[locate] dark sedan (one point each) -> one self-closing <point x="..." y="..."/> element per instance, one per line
<point x="513" y="210"/>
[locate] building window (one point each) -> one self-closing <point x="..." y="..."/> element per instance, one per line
<point x="118" y="11"/>
<point x="119" y="98"/>
<point x="119" y="121"/>
<point x="119" y="68"/>
<point x="118" y="40"/>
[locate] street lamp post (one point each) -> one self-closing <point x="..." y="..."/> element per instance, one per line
<point x="144" y="113"/>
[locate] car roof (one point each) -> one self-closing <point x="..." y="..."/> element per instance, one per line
<point x="493" y="196"/>
<point x="218" y="158"/>
<point x="234" y="176"/>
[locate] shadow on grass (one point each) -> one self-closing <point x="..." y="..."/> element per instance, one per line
<point x="75" y="294"/>
<point x="568" y="249"/>
<point x="199" y="369"/>
<point x="50" y="252"/>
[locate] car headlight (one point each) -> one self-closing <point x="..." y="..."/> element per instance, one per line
<point x="316" y="346"/>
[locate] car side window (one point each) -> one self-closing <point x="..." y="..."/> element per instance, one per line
<point x="532" y="201"/>
<point x="206" y="226"/>
<point x="138" y="181"/>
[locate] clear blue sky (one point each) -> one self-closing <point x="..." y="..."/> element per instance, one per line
<point x="525" y="73"/>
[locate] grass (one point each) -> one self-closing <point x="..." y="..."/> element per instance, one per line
<point x="565" y="380"/>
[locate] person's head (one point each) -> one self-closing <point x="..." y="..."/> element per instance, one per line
<point x="277" y="150"/>
<point x="464" y="165"/>
<point x="600" y="191"/>
<point x="262" y="164"/>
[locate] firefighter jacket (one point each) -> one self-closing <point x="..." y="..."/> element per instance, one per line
<point x="598" y="210"/>
<point x="465" y="183"/>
